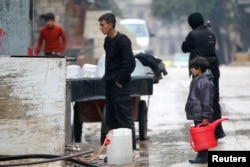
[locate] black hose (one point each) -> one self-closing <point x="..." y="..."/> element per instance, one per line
<point x="52" y="158"/>
<point x="30" y="156"/>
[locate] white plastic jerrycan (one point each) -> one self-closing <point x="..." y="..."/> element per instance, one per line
<point x="119" y="151"/>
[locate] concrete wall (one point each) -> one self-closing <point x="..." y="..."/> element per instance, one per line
<point x="32" y="105"/>
<point x="15" y="27"/>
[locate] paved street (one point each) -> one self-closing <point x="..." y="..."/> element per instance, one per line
<point x="168" y="129"/>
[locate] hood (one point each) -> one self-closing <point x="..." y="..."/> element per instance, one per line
<point x="195" y="20"/>
<point x="208" y="74"/>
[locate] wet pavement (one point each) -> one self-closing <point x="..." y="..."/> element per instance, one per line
<point x="168" y="130"/>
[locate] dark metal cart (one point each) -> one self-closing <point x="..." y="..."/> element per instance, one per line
<point x="89" y="95"/>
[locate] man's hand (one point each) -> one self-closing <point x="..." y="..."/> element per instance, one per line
<point x="118" y="84"/>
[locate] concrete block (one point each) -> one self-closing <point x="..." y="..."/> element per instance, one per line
<point x="41" y="3"/>
<point x="60" y="10"/>
<point x="56" y="3"/>
<point x="32" y="119"/>
<point x="242" y="57"/>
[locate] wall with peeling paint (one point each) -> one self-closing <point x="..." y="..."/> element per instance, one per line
<point x="32" y="105"/>
<point x="16" y="24"/>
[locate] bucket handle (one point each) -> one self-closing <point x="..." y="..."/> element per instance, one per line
<point x="220" y="120"/>
<point x="200" y="125"/>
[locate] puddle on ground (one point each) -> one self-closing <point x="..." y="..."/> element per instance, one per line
<point x="163" y="149"/>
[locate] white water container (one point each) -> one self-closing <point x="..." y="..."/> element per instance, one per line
<point x="89" y="71"/>
<point x="119" y="151"/>
<point x="73" y="71"/>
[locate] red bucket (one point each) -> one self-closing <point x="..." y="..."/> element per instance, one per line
<point x="203" y="137"/>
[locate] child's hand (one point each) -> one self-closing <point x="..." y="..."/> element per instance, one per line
<point x="205" y="121"/>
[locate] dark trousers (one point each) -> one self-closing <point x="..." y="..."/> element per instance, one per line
<point x="216" y="104"/>
<point x="77" y="124"/>
<point x="118" y="108"/>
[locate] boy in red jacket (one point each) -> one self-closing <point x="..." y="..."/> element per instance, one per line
<point x="52" y="36"/>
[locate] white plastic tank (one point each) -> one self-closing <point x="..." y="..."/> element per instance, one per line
<point x="140" y="69"/>
<point x="101" y="66"/>
<point x="73" y="71"/>
<point x="89" y="71"/>
<point x="119" y="151"/>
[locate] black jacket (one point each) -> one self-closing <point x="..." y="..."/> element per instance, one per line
<point x="199" y="104"/>
<point x="154" y="63"/>
<point x="201" y="41"/>
<point x="119" y="61"/>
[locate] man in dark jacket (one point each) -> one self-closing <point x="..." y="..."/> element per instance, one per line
<point x="119" y="64"/>
<point x="201" y="41"/>
<point x="199" y="105"/>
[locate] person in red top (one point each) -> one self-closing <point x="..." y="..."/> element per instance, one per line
<point x="52" y="36"/>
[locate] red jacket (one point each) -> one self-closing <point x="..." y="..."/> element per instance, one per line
<point x="54" y="40"/>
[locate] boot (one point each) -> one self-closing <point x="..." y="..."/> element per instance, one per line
<point x="200" y="158"/>
<point x="219" y="132"/>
